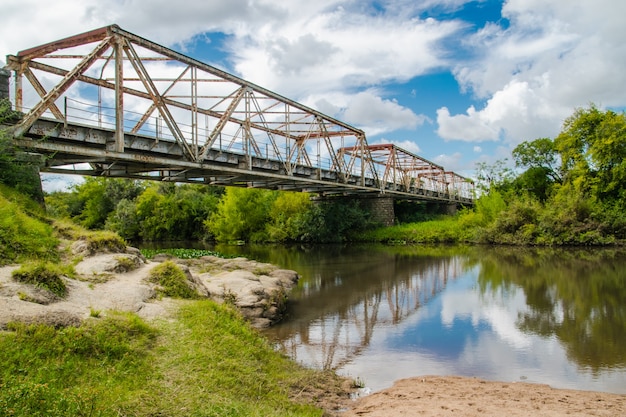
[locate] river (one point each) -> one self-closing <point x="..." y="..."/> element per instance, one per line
<point x="381" y="313"/>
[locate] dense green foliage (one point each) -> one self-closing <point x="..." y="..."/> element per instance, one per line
<point x="144" y="211"/>
<point x="138" y="210"/>
<point x="208" y="362"/>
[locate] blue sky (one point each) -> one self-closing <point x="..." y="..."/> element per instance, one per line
<point x="456" y="81"/>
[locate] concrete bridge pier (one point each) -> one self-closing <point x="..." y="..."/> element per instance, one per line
<point x="381" y="209"/>
<point x="5" y="76"/>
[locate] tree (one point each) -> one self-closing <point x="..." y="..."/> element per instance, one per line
<point x="539" y="153"/>
<point x="493" y="176"/>
<point x="288" y="216"/>
<point x="592" y="146"/>
<point x="96" y="198"/>
<point x="242" y="214"/>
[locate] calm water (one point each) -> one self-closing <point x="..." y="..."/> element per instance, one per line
<point x="383" y="313"/>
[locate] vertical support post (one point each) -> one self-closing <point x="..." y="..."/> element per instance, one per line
<point x="19" y="92"/>
<point x="363" y="160"/>
<point x="119" y="96"/>
<point x="194" y="112"/>
<point x="246" y="134"/>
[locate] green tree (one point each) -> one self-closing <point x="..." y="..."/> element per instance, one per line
<point x="148" y="213"/>
<point x="96" y="198"/>
<point x="242" y="214"/>
<point x="288" y="216"/>
<point x="592" y="146"/>
<point x="539" y="154"/>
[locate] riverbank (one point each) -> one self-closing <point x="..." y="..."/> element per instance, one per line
<point x="436" y="396"/>
<point x="113" y="346"/>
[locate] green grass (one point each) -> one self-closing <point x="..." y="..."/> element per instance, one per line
<point x="181" y="253"/>
<point x="457" y="229"/>
<point x="45" y="275"/>
<point x="172" y="281"/>
<point x="93" y="370"/>
<point x="24" y="234"/>
<point x="207" y="362"/>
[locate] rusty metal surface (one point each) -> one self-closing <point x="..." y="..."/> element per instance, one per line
<point x="144" y="99"/>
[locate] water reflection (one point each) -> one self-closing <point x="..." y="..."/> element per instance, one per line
<point x="384" y="313"/>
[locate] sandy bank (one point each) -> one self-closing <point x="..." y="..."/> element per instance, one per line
<point x="458" y="396"/>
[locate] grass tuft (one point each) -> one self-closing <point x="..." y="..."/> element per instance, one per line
<point x="42" y="274"/>
<point x="172" y="280"/>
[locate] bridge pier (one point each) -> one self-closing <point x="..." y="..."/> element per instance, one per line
<point x="381" y="208"/>
<point x="5" y="76"/>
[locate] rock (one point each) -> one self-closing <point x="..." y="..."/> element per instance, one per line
<point x="110" y="263"/>
<point x="258" y="290"/>
<point x="56" y="319"/>
<point x="195" y="282"/>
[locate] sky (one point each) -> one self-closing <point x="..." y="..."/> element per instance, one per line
<point x="458" y="82"/>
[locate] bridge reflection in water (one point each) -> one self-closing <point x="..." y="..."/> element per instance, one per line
<point x="544" y="315"/>
<point x="343" y="300"/>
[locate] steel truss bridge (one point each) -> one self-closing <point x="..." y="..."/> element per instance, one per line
<point x="110" y="103"/>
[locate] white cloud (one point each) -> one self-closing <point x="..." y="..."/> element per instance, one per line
<point x="376" y="115"/>
<point x="449" y="162"/>
<point x="555" y="56"/>
<point x="339" y="49"/>
<point x="516" y="113"/>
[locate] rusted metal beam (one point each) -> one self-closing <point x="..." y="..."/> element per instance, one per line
<point x="56" y="92"/>
<point x="69" y="42"/>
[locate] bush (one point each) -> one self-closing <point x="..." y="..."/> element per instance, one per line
<point x="172" y="280"/>
<point x="42" y="274"/>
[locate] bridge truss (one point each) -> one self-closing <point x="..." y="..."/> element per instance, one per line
<point x="108" y="102"/>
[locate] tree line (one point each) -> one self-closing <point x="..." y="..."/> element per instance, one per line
<point x="151" y="211"/>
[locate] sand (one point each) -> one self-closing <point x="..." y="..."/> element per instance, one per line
<point x="459" y="396"/>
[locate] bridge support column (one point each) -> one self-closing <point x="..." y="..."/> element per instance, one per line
<point x="5" y="76"/>
<point x="380" y="208"/>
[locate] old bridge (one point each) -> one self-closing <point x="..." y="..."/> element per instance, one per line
<point x="110" y="103"/>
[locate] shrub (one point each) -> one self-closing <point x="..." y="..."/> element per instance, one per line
<point x="172" y="280"/>
<point x="42" y="274"/>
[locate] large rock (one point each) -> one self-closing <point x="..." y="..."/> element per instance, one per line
<point x="109" y="263"/>
<point x="256" y="289"/>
